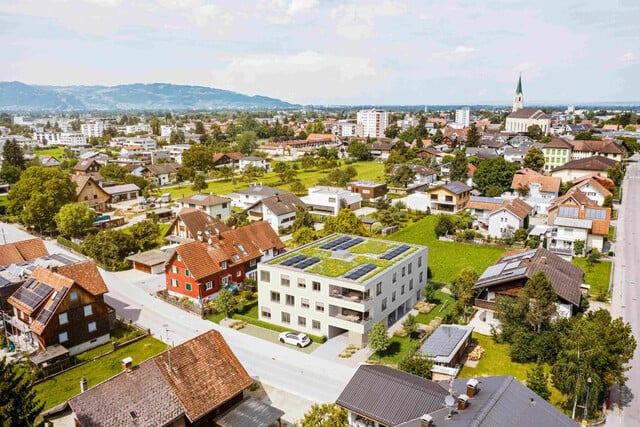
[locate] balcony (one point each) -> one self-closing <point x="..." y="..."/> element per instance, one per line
<point x="488" y="305"/>
<point x="349" y="294"/>
<point x="561" y="249"/>
<point x="348" y="315"/>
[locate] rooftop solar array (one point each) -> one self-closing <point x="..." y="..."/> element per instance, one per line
<point x="443" y="340"/>
<point x="349" y="244"/>
<point x="47" y="312"/>
<point x="30" y="296"/>
<point x="307" y="263"/>
<point x="360" y="271"/>
<point x="395" y="252"/>
<point x="332" y="244"/>
<point x="293" y="260"/>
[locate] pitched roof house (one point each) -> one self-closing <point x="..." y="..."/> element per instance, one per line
<point x="449" y="198"/>
<point x="160" y="173"/>
<point x="249" y="196"/>
<point x="506" y="219"/>
<point x="87" y="166"/>
<point x="189" y="224"/>
<point x="194" y="383"/>
<point x="589" y="148"/>
<point x="279" y="210"/>
<point x="557" y="152"/>
<point x="24" y="250"/>
<point x="90" y="193"/>
<point x="216" y="206"/>
<point x="577" y="168"/>
<point x="593" y="189"/>
<point x="535" y="189"/>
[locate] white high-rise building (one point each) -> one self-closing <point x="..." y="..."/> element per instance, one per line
<point x="462" y="117"/>
<point x="95" y="129"/>
<point x="373" y="122"/>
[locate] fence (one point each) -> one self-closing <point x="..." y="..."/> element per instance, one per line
<point x="185" y="304"/>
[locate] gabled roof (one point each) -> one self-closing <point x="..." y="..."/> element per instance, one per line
<point x="484" y="203"/>
<point x="559" y="143"/>
<point x="82" y="181"/>
<point x="86" y="275"/>
<point x="595" y="163"/>
<point x="574" y="196"/>
<point x="528" y="113"/>
<point x="596" y="186"/>
<point x="549" y="184"/>
<point x="24" y="250"/>
<point x="456" y="187"/>
<point x="602" y="180"/>
<point x="84" y="165"/>
<point x="281" y="204"/>
<point x="204" y="200"/>
<point x="516" y="206"/>
<point x="596" y="146"/>
<point x="197" y="220"/>
<point x="565" y="277"/>
<point x="599" y="217"/>
<point x="321" y="137"/>
<point x="162" y="168"/>
<point x="123" y="188"/>
<point x="261" y="190"/>
<point x="390" y="396"/>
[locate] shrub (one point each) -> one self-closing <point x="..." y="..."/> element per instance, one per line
<point x="401" y="333"/>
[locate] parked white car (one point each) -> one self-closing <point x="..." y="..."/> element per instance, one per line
<point x="294" y="338"/>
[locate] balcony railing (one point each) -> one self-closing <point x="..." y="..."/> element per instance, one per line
<point x="481" y="303"/>
<point x="561" y="250"/>
<point x="349" y="295"/>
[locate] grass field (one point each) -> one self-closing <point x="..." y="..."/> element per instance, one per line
<point x="447" y="259"/>
<point x="444" y="305"/>
<point x="61" y="387"/>
<point x="598" y="277"/>
<point x="57" y="152"/>
<point x="398" y="348"/>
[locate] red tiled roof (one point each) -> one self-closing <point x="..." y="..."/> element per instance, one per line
<point x="547" y="183"/>
<point x="596" y="146"/>
<point x="86" y="275"/>
<point x="24" y="250"/>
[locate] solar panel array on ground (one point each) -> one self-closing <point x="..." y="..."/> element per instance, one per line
<point x="307" y="263"/>
<point x="332" y="244"/>
<point x="395" y="252"/>
<point x="360" y="271"/>
<point x="293" y="260"/>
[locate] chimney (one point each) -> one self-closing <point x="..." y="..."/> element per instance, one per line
<point x="127" y="363"/>
<point x="463" y="402"/>
<point x="83" y="385"/>
<point x="543" y="260"/>
<point x="425" y="420"/>
<point x="472" y="387"/>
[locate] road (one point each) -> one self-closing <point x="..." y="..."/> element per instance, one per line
<point x="625" y="295"/>
<point x="300" y="374"/>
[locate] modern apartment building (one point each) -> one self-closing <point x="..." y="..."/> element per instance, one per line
<point x="462" y="116"/>
<point x="95" y="129"/>
<point x="342" y="284"/>
<point x="372" y="122"/>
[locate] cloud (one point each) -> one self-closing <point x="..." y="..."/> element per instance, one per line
<point x="458" y="53"/>
<point x="283" y="12"/>
<point x="358" y="22"/>
<point x="306" y="77"/>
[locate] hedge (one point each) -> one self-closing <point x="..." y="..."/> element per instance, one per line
<point x="319" y="339"/>
<point x="66" y="242"/>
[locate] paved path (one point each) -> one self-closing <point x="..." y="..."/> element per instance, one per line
<point x="625" y="410"/>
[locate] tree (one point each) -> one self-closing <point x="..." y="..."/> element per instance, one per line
<point x="75" y="219"/>
<point x="308" y="162"/>
<point x="225" y="302"/>
<point x="459" y="169"/>
<point x="176" y="137"/>
<point x="616" y="174"/>
<point x="593" y="258"/>
<point x="461" y="288"/>
<point x="315" y="127"/>
<point x="402" y="176"/>
<point x="535" y="132"/>
<point x="521" y="235"/>
<point x="410" y="324"/>
<point x="113" y="172"/>
<point x="200" y="128"/>
<point x="145" y="234"/>
<point x="297" y="187"/>
<point x="199" y="183"/>
<point x="345" y="222"/>
<point x="185" y="173"/>
<point x="247" y="142"/>
<point x="285" y="172"/>
<point x="303" y="219"/>
<point x="13" y="154"/>
<point x="304" y="235"/>
<point x="110" y="248"/>
<point x="417" y="363"/>
<point x="428" y="292"/>
<point x="578" y="247"/>
<point x="444" y="225"/>
<point x="38" y="208"/>
<point x="379" y="339"/>
<point x="392" y="131"/>
<point x="473" y="136"/>
<point x="538" y="381"/>
<point x="9" y="173"/>
<point x="608" y="201"/>
<point x="541" y="298"/>
<point x="324" y="415"/>
<point x="534" y="159"/>
<point x="496" y="173"/>
<point x="198" y="157"/>
<point x="19" y="404"/>
<point x="359" y="151"/>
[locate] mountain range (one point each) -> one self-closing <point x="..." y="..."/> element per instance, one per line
<point x="21" y="97"/>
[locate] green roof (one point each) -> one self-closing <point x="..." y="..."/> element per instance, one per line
<point x="519" y="88"/>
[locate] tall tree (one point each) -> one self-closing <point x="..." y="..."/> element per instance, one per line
<point x="359" y="151"/>
<point x="199" y="128"/>
<point x="13" y="154"/>
<point x="459" y="169"/>
<point x="534" y="159"/>
<point x="110" y="248"/>
<point x="199" y="157"/>
<point x="113" y="172"/>
<point x="461" y="287"/>
<point x="19" y="404"/>
<point x="473" y="136"/>
<point x="247" y="142"/>
<point x="199" y="182"/>
<point x="538" y="381"/>
<point x="535" y="132"/>
<point x="145" y="235"/>
<point x="324" y="415"/>
<point x="541" y="298"/>
<point x="496" y="172"/>
<point x="402" y="176"/>
<point x="75" y="219"/>
<point x="303" y="219"/>
<point x="379" y="339"/>
<point x="225" y="302"/>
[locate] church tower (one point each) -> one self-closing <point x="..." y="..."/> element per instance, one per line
<point x="518" y="99"/>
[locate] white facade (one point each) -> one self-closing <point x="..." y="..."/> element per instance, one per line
<point x="140" y="127"/>
<point x="165" y="131"/>
<point x="462" y="116"/>
<point x="257" y="162"/>
<point x="95" y="129"/>
<point x="343" y="128"/>
<point x="332" y="199"/>
<point x="330" y="306"/>
<point x="566" y="231"/>
<point x="72" y="138"/>
<point x="373" y="122"/>
<point x="503" y="223"/>
<point x="521" y="125"/>
<point x="145" y="143"/>
<point x="592" y="192"/>
<point x="176" y="151"/>
<point x="538" y="199"/>
<point x="44" y="138"/>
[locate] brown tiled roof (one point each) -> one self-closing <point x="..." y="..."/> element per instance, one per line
<point x="484" y="204"/>
<point x="595" y="146"/>
<point x="204" y="200"/>
<point x="82" y="180"/>
<point x="602" y="180"/>
<point x="527" y="171"/>
<point x="24" y="250"/>
<point x="547" y="183"/>
<point x="86" y="275"/>
<point x="282" y="203"/>
<point x="595" y="163"/>
<point x="528" y="113"/>
<point x="574" y="196"/>
<point x="163" y="168"/>
<point x="203" y="373"/>
<point x="84" y="165"/>
<point x="595" y="184"/>
<point x="196" y="220"/>
<point x="559" y="143"/>
<point x="321" y="137"/>
<point x="517" y="207"/>
<point x="197" y="259"/>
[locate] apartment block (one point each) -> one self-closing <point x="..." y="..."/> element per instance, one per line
<point x="372" y="123"/>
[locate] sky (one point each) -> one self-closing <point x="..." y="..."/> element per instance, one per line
<point x="334" y="52"/>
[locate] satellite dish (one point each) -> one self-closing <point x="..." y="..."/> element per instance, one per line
<point x="449" y="401"/>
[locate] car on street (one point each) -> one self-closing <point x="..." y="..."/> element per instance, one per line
<point x="294" y="338"/>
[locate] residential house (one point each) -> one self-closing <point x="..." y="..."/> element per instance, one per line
<point x="65" y="306"/>
<point x="49" y="161"/>
<point x="446" y="346"/>
<point x="480" y="207"/>
<point x="378" y="395"/>
<point x="123" y="192"/>
<point x="279" y="210"/>
<point x="191" y="224"/>
<point x="199" y="269"/>
<point x="254" y="161"/>
<point x="90" y="193"/>
<point x="160" y="174"/>
<point x="231" y="160"/>
<point x="197" y="383"/>
<point x="557" y="152"/>
<point x="151" y="262"/>
<point x="577" y="168"/>
<point x="586" y="149"/>
<point x="509" y="275"/>
<point x="87" y="166"/>
<point x="250" y="196"/>
<point x="380" y="150"/>
<point x="305" y="289"/>
<point x="535" y="189"/>
<point x="449" y="198"/>
<point x="369" y="190"/>
<point x="325" y="200"/>
<point x="14" y="259"/>
<point x="504" y="221"/>
<point x="216" y="206"/>
<point x="423" y="177"/>
<point x="593" y="189"/>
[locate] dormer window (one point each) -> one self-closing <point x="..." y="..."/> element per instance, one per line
<point x="224" y="265"/>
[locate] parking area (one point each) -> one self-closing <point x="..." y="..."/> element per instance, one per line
<point x="269" y="335"/>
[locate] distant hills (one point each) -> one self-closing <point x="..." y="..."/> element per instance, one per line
<point x="21" y="97"/>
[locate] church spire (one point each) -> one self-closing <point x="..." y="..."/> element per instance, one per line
<point x="518" y="99"/>
<point x="519" y="88"/>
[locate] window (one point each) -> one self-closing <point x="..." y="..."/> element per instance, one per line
<point x="419" y="261"/>
<point x="290" y="300"/>
<point x="316" y="286"/>
<point x="302" y="321"/>
<point x="275" y="296"/>
<point x="304" y="303"/>
<point x="434" y="197"/>
<point x="402" y="290"/>
<point x="409" y="267"/>
<point x="187" y="286"/>
<point x="285" y="317"/>
<point x="252" y="263"/>
<point x="238" y="273"/>
<point x="88" y="310"/>
<point x="332" y="199"/>
<point x="224" y="206"/>
<point x="384" y="304"/>
<point x="174" y="269"/>
<point x="411" y="284"/>
<point x="92" y="327"/>
<point x="320" y="306"/>
<point x="179" y="258"/>
<point x="265" y="276"/>
<point x="73" y="296"/>
<point x="378" y="288"/>
<point x="315" y="324"/>
<point x="284" y="280"/>
<point x="404" y="271"/>
<point x="63" y="318"/>
<point x="448" y="198"/>
<point x="224" y="265"/>
<point x="174" y="283"/>
<point x="63" y="337"/>
<point x="395" y="276"/>
<point x="393" y="296"/>
<point x="302" y="283"/>
<point x="208" y="286"/>
<point x="420" y="277"/>
<point x="265" y="312"/>
<point x="186" y="272"/>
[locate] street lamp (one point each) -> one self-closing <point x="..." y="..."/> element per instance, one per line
<point x="586" y="399"/>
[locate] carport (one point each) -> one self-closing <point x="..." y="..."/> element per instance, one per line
<point x="151" y="262"/>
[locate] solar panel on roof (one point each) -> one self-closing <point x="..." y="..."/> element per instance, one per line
<point x="307" y="263"/>
<point x="293" y="260"/>
<point x="360" y="271"/>
<point x="199" y="197"/>
<point x="395" y="252"/>
<point x="46" y="314"/>
<point x="332" y="244"/>
<point x="349" y="244"/>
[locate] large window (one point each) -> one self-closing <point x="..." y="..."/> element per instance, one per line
<point x="290" y="300"/>
<point x="265" y="276"/>
<point x="275" y="296"/>
<point x="284" y="280"/>
<point x="285" y="317"/>
<point x="63" y="318"/>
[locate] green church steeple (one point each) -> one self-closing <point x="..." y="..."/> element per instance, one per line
<point x="519" y="88"/>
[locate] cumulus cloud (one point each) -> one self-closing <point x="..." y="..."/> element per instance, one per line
<point x="306" y="77"/>
<point x="458" y="52"/>
<point x="358" y="22"/>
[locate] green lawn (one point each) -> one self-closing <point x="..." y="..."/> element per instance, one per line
<point x="57" y="152"/>
<point x="612" y="234"/>
<point x="442" y="300"/>
<point x="597" y="277"/>
<point x="447" y="259"/>
<point x="398" y="348"/>
<point x="61" y="387"/>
